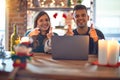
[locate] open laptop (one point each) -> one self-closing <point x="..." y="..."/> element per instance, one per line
<point x="70" y="47"/>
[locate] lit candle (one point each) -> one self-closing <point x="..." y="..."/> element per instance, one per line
<point x="102" y="52"/>
<point x="113" y="52"/>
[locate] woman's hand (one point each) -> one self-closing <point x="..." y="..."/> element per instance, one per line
<point x="69" y="31"/>
<point x="50" y="33"/>
<point x="47" y="47"/>
<point x="34" y="32"/>
<point x="93" y="33"/>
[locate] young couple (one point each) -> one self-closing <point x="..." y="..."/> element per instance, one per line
<point x="42" y="31"/>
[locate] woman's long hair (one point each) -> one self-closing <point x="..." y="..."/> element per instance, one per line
<point x="35" y="38"/>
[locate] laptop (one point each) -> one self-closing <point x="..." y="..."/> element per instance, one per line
<point x="70" y="47"/>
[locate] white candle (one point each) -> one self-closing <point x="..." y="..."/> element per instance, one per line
<point x="102" y="52"/>
<point x="113" y="52"/>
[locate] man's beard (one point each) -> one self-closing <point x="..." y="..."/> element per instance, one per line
<point x="81" y="26"/>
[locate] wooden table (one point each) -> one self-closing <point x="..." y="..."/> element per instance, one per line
<point x="43" y="67"/>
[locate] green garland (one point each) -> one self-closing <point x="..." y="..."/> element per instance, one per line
<point x="68" y="3"/>
<point x="79" y="1"/>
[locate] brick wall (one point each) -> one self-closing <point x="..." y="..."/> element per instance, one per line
<point x="17" y="13"/>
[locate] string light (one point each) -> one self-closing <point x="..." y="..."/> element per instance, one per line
<point x="52" y="3"/>
<point x="62" y="4"/>
<point x="91" y="11"/>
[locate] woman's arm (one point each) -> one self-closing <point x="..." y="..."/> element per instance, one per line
<point x="47" y="46"/>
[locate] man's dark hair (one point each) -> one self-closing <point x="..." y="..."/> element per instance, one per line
<point x="79" y="7"/>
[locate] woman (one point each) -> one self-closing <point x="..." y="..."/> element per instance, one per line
<point x="41" y="32"/>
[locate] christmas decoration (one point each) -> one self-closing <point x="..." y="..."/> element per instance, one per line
<point x="64" y="15"/>
<point x="55" y="15"/>
<point x="22" y="53"/>
<point x="79" y="1"/>
<point x="68" y="3"/>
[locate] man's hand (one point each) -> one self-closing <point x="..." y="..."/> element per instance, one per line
<point x="93" y="33"/>
<point x="69" y="31"/>
<point x="50" y="34"/>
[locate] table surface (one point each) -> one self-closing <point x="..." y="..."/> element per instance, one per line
<point x="42" y="66"/>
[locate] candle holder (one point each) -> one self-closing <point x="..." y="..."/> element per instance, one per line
<point x="106" y="65"/>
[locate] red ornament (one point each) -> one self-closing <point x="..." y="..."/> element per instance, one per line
<point x="55" y="15"/>
<point x="26" y="43"/>
<point x="64" y="15"/>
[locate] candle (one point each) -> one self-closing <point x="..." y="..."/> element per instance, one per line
<point x="102" y="52"/>
<point x="113" y="52"/>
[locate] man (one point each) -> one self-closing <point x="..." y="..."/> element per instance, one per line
<point x="81" y="18"/>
